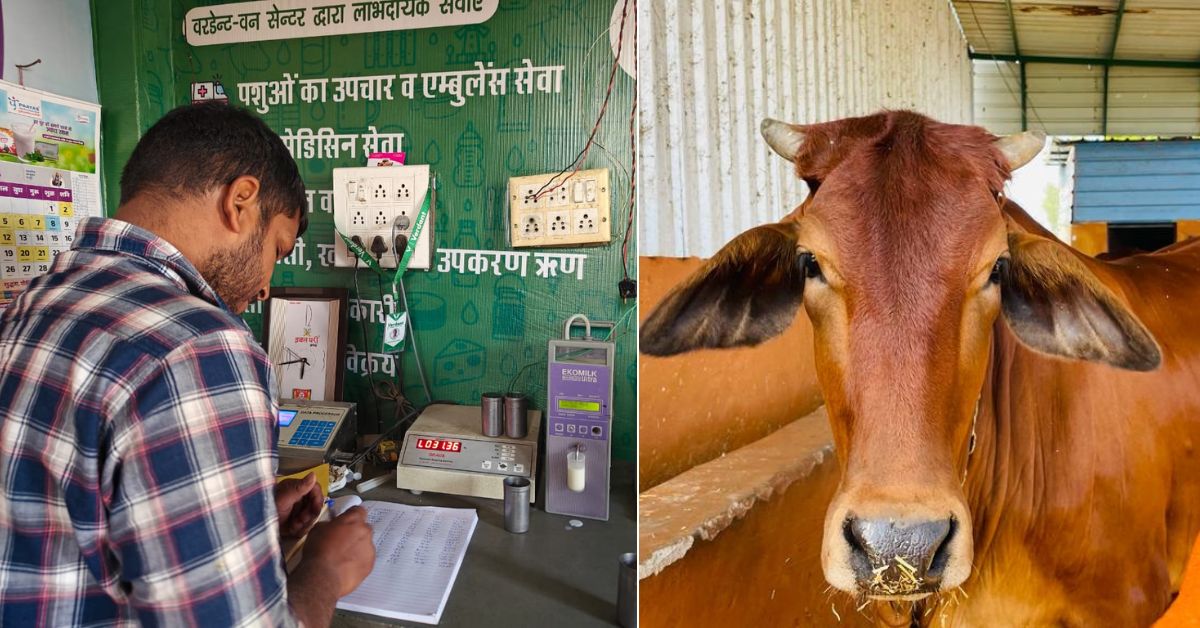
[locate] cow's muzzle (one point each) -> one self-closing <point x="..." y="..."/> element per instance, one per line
<point x="894" y="558"/>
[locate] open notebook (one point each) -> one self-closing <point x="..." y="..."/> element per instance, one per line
<point x="418" y="551"/>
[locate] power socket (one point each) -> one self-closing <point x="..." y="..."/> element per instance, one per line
<point x="533" y="226"/>
<point x="560" y="224"/>
<point x="380" y="218"/>
<point x="367" y="202"/>
<point x="570" y="211"/>
<point x="558" y="197"/>
<point x="525" y="199"/>
<point x="584" y="221"/>
<point x="380" y="189"/>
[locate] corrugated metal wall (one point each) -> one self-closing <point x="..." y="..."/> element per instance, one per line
<point x="1069" y="99"/>
<point x="1135" y="182"/>
<point x="711" y="70"/>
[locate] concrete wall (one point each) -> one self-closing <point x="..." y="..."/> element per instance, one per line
<point x="59" y="32"/>
<point x="712" y="70"/>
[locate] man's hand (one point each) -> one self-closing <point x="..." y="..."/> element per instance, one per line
<point x="343" y="549"/>
<point x="298" y="503"/>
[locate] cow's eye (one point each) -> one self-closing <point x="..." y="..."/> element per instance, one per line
<point x="998" y="271"/>
<point x="812" y="268"/>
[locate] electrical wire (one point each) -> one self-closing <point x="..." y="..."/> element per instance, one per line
<point x="362" y="326"/>
<point x="1002" y="66"/>
<point x="612" y="331"/>
<point x="407" y="418"/>
<point x="398" y="396"/>
<point x="412" y="333"/>
<point x="578" y="161"/>
<point x="632" y="155"/>
<point x="513" y="382"/>
<point x="390" y="391"/>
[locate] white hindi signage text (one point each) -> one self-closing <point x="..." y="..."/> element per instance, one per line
<point x="267" y="20"/>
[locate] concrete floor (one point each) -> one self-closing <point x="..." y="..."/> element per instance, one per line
<point x="553" y="575"/>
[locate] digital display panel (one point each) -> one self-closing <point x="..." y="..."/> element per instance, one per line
<point x="286" y="417"/>
<point x="434" y="444"/>
<point x="572" y="404"/>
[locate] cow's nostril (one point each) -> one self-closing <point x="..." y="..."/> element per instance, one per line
<point x="860" y="559"/>
<point x="941" y="556"/>
<point x="897" y="557"/>
<point x="848" y="530"/>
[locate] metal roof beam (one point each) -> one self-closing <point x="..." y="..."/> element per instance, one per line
<point x="1100" y="61"/>
<point x="1119" y="15"/>
<point x="1012" y="28"/>
<point x="1024" y="99"/>
<point x="1112" y="53"/>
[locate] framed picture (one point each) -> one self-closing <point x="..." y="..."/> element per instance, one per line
<point x="304" y="334"/>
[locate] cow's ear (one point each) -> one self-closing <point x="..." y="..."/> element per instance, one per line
<point x="749" y="292"/>
<point x="1055" y="304"/>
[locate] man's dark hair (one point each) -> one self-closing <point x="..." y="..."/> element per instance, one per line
<point x="195" y="148"/>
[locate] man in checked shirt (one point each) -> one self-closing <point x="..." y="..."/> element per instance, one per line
<point x="137" y="423"/>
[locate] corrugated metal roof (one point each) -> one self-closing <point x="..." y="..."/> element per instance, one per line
<point x="1085" y="67"/>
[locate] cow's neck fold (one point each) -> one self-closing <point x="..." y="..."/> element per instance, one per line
<point x="1005" y="473"/>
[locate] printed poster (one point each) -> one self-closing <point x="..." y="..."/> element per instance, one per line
<point x="49" y="181"/>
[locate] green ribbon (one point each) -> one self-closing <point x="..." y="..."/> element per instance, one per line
<point x="402" y="265"/>
<point x="418" y="227"/>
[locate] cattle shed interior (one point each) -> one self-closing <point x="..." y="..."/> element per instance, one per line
<point x="1097" y="75"/>
<point x="1114" y="83"/>
<point x="1098" y="68"/>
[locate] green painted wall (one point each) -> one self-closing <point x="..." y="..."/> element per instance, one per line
<point x="475" y="332"/>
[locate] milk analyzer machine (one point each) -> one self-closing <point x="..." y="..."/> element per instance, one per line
<point x="579" y="395"/>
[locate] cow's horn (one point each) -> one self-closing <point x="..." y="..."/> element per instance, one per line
<point x="1020" y="148"/>
<point x="783" y="138"/>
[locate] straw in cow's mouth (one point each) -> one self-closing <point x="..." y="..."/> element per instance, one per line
<point x="907" y="582"/>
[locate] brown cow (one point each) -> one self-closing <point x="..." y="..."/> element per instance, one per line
<point x="1016" y="423"/>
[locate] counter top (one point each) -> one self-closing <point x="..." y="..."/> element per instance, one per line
<point x="555" y="574"/>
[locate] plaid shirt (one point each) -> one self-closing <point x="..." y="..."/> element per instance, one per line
<point x="137" y="446"/>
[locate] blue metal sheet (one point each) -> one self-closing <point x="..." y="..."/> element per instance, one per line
<point x="1138" y="150"/>
<point x="1155" y="213"/>
<point x="1135" y="167"/>
<point x="1137" y="182"/>
<point x="1124" y="183"/>
<point x="1140" y="198"/>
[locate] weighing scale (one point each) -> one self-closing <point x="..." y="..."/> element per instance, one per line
<point x="309" y="431"/>
<point x="445" y="451"/>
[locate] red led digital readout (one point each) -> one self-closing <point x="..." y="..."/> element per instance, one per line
<point x="439" y="445"/>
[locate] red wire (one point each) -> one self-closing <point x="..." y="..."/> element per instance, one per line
<point x="612" y="75"/>
<point x="632" y="153"/>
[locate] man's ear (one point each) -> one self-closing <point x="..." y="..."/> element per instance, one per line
<point x="1055" y="304"/>
<point x="241" y="208"/>
<point x="749" y="292"/>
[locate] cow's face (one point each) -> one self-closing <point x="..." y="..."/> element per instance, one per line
<point x="903" y="261"/>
